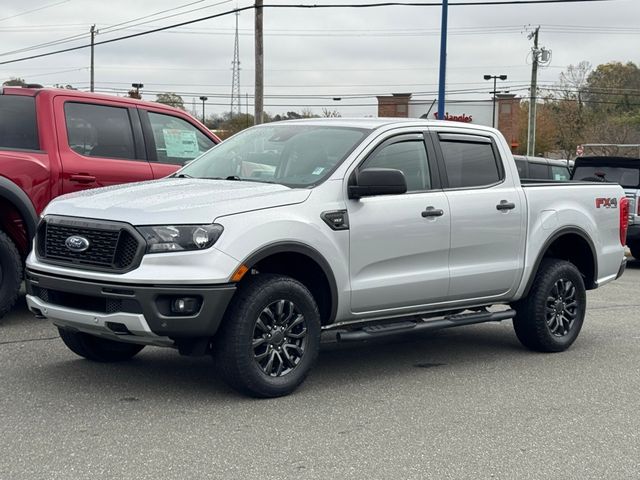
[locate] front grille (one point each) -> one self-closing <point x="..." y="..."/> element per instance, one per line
<point x="112" y="247"/>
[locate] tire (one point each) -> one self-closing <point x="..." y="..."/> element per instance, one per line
<point x="549" y="319"/>
<point x="98" y="349"/>
<point x="270" y="337"/>
<point x="635" y="251"/>
<point x="10" y="274"/>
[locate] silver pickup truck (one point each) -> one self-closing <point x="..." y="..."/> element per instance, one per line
<point x="366" y="228"/>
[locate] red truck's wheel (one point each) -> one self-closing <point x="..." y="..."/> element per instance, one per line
<point x="98" y="349"/>
<point x="10" y="274"/>
<point x="550" y="317"/>
<point x="270" y="337"/>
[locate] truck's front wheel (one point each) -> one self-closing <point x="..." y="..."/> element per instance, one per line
<point x="10" y="274"/>
<point x="549" y="319"/>
<point x="98" y="349"/>
<point x="270" y="336"/>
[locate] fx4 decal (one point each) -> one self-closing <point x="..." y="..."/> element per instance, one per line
<point x="606" y="203"/>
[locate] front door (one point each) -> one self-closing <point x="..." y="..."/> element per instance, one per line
<point x="399" y="244"/>
<point x="100" y="144"/>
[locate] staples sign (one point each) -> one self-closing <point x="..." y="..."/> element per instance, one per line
<point x="455" y="118"/>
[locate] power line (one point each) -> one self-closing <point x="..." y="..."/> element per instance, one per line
<point x="112" y="28"/>
<point x="34" y="10"/>
<point x="300" y="6"/>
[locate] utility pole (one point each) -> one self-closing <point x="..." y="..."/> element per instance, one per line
<point x="259" y="84"/>
<point x="93" y="32"/>
<point x="443" y="59"/>
<point x="204" y="99"/>
<point x="531" y="137"/>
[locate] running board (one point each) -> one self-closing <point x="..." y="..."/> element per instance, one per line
<point x="401" y="327"/>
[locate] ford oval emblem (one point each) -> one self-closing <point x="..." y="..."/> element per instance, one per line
<point x="77" y="244"/>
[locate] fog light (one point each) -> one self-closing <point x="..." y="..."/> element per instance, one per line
<point x="185" y="305"/>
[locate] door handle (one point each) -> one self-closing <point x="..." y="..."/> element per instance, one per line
<point x="82" y="178"/>
<point x="504" y="205"/>
<point x="432" y="212"/>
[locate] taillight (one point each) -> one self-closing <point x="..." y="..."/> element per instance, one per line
<point x="624" y="219"/>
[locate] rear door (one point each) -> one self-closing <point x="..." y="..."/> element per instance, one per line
<point x="100" y="143"/>
<point x="487" y="214"/>
<point x="399" y="254"/>
<point x="172" y="140"/>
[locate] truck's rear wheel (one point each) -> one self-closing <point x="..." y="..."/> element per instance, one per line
<point x="549" y="319"/>
<point x="10" y="274"/>
<point x="98" y="349"/>
<point x="270" y="336"/>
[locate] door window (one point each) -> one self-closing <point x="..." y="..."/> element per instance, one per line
<point x="18" y="127"/>
<point x="99" y="131"/>
<point x="409" y="156"/>
<point x="538" y="171"/>
<point x="469" y="163"/>
<point x="177" y="141"/>
<point x="560" y="173"/>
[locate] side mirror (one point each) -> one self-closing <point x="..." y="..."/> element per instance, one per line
<point x="378" y="181"/>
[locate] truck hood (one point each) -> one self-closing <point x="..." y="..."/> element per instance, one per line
<point x="174" y="201"/>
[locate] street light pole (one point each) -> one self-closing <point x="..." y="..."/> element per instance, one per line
<point x="204" y="99"/>
<point x="137" y="86"/>
<point x="494" y="92"/>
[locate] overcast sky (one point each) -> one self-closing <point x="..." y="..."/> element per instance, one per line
<point x="331" y="52"/>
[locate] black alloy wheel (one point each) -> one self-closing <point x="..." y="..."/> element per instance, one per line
<point x="562" y="307"/>
<point x="279" y="338"/>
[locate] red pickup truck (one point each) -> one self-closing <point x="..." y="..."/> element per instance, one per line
<point x="55" y="141"/>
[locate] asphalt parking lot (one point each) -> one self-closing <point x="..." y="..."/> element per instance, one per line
<point x="462" y="403"/>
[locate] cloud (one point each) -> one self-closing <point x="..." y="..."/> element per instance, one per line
<point x="335" y="52"/>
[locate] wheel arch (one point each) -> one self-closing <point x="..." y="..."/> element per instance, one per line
<point x="14" y="198"/>
<point x="305" y="264"/>
<point x="574" y="245"/>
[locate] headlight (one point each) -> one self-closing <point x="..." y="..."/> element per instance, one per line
<point x="176" y="238"/>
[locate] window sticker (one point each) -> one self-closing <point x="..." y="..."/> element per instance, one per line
<point x="318" y="171"/>
<point x="180" y="143"/>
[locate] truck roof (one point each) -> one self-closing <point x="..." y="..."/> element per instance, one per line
<point x="630" y="161"/>
<point x="374" y="123"/>
<point x="32" y="92"/>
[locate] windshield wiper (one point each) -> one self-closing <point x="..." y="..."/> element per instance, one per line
<point x="182" y="175"/>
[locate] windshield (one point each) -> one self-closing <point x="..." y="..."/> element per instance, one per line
<point x="288" y="154"/>
<point x="626" y="177"/>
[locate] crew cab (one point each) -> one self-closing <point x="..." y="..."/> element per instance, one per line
<point x="55" y="141"/>
<point x="624" y="171"/>
<point x="366" y="228"/>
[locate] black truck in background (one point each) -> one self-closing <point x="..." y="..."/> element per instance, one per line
<point x="624" y="171"/>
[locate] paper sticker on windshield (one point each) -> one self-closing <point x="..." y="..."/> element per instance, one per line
<point x="318" y="171"/>
<point x="180" y="143"/>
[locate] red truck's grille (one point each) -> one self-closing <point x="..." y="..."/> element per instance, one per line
<point x="112" y="247"/>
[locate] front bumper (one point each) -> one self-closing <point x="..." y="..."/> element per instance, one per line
<point x="130" y="312"/>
